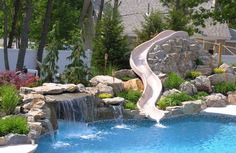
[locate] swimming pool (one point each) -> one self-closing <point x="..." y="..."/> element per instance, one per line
<point x="190" y="134"/>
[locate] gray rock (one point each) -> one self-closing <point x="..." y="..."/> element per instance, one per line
<point x="170" y="92"/>
<point x="174" y="110"/>
<point x="2" y="141"/>
<point x="220" y="78"/>
<point x="81" y="87"/>
<point x="192" y="107"/>
<point x="227" y="68"/>
<point x="114" y="101"/>
<point x="166" y="47"/>
<point x="102" y="88"/>
<point x="13" y="139"/>
<point x="216" y="100"/>
<point x="188" y="87"/>
<point x="125" y="73"/>
<point x="115" y="83"/>
<point x="32" y="96"/>
<point x="91" y="90"/>
<point x="202" y="83"/>
<point x="204" y="69"/>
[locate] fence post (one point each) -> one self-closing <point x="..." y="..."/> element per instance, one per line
<point x="220" y="55"/>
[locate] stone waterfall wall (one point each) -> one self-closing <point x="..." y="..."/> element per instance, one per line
<point x="178" y="55"/>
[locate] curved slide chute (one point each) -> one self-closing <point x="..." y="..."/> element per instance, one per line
<point x="152" y="83"/>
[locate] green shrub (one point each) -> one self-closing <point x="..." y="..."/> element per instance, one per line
<point x="9" y="98"/>
<point x="224" y="87"/>
<point x="199" y="95"/>
<point x="193" y="74"/>
<point x="199" y="62"/>
<point x="130" y="105"/>
<point x="175" y="99"/>
<point x="14" y="124"/>
<point x="218" y="70"/>
<point x="126" y="78"/>
<point x="234" y="65"/>
<point x="105" y="95"/>
<point x="130" y="95"/>
<point x="173" y="81"/>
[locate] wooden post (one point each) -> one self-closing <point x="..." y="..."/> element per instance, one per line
<point x="220" y="54"/>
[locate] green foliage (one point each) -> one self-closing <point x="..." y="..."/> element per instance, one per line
<point x="110" y="42"/>
<point x="126" y="78"/>
<point x="218" y="70"/>
<point x="193" y="74"/>
<point x="104" y="95"/>
<point x="130" y="95"/>
<point x="200" y="95"/>
<point x="132" y="98"/>
<point x="9" y="98"/>
<point x="224" y="87"/>
<point x="175" y="99"/>
<point x="152" y="25"/>
<point x="75" y="72"/>
<point x="178" y="21"/>
<point x="13" y="124"/>
<point x="49" y="66"/>
<point x="130" y="105"/>
<point x="173" y="81"/>
<point x="199" y="62"/>
<point x="234" y="65"/>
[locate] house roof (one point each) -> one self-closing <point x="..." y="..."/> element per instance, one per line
<point x="133" y="11"/>
<point x="219" y="30"/>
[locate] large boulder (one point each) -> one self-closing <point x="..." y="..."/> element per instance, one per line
<point x="91" y="91"/>
<point x="115" y="83"/>
<point x="32" y="97"/>
<point x="37" y="114"/>
<point x="192" y="107"/>
<point x="16" y="139"/>
<point x="232" y="97"/>
<point x="216" y="100"/>
<point x="134" y="84"/>
<point x="220" y="78"/>
<point x="124" y="73"/>
<point x="227" y="68"/>
<point x="48" y="88"/>
<point x="188" y="87"/>
<point x="202" y="83"/>
<point x="103" y="88"/>
<point x="170" y="92"/>
<point x="204" y="69"/>
<point x="174" y="110"/>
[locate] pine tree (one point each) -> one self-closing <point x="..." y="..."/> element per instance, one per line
<point x="152" y="25"/>
<point x="110" y="41"/>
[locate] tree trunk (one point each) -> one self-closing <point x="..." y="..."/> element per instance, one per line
<point x="84" y="12"/>
<point x="14" y="21"/>
<point x="4" y="8"/>
<point x="100" y="10"/>
<point x="25" y="35"/>
<point x="44" y="32"/>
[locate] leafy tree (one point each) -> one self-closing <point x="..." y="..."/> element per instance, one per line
<point x="152" y="25"/>
<point x="225" y="12"/>
<point x="49" y="66"/>
<point x="110" y="41"/>
<point x="181" y="13"/>
<point x="76" y="72"/>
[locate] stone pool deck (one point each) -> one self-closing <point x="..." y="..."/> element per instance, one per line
<point x="19" y="148"/>
<point x="228" y="110"/>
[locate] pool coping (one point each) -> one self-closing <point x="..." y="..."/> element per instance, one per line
<point x="25" y="148"/>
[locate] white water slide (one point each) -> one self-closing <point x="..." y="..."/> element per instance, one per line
<point x="152" y="83"/>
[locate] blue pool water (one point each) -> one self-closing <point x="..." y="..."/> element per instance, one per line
<point x="195" y="134"/>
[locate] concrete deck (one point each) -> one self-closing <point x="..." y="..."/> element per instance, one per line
<point x="19" y="148"/>
<point x="228" y="110"/>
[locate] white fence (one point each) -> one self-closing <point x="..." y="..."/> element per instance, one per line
<point x="30" y="59"/>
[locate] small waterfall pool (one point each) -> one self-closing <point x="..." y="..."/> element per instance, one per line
<point x="195" y="134"/>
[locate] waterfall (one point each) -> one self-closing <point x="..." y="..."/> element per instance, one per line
<point x="78" y="109"/>
<point x="50" y="129"/>
<point x="118" y="113"/>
